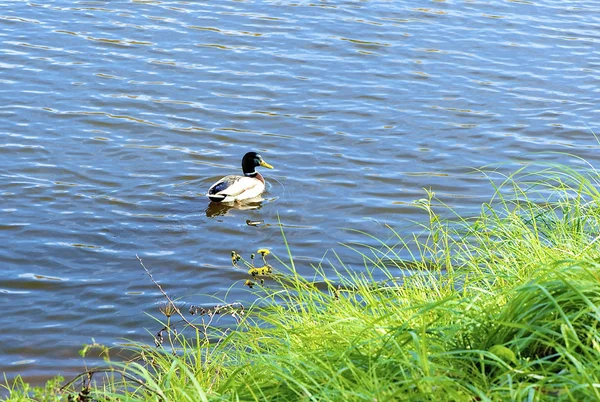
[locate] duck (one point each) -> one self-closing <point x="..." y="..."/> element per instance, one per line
<point x="234" y="188"/>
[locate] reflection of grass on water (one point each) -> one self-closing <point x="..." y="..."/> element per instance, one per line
<point x="505" y="306"/>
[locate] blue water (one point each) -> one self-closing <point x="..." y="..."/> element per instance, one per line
<point x="116" y="117"/>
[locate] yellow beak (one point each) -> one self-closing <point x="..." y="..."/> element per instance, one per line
<point x="265" y="164"/>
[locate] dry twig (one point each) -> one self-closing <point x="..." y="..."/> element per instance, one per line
<point x="167" y="296"/>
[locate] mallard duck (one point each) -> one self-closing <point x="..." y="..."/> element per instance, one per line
<point x="236" y="188"/>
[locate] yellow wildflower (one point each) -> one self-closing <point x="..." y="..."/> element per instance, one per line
<point x="262" y="271"/>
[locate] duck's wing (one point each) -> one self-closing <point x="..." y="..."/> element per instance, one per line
<point x="230" y="186"/>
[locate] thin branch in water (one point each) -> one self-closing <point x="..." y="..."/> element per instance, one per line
<point x="167" y="296"/>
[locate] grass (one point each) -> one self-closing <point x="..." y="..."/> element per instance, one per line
<point x="501" y="306"/>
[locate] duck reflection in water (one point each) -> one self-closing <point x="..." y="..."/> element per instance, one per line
<point x="215" y="209"/>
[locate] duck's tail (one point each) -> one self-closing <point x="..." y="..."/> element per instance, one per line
<point x="216" y="197"/>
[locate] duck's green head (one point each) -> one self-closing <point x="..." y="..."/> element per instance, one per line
<point x="252" y="160"/>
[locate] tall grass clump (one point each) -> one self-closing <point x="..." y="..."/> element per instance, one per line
<point x="501" y="306"/>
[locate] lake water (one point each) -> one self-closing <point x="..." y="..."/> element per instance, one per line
<point x="116" y="117"/>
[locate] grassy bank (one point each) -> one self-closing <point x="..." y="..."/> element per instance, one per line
<point x="501" y="306"/>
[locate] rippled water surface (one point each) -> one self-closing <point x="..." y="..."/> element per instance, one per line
<point x="116" y="116"/>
